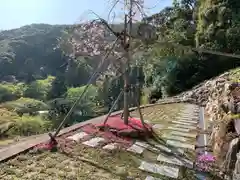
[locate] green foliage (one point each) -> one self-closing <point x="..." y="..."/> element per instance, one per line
<point x="39" y="89"/>
<point x="11" y="124"/>
<point x="58" y="87"/>
<point x="234" y="75"/>
<point x="173" y="68"/>
<point x="88" y="103"/>
<point x="29" y="125"/>
<point x="145" y="96"/>
<point x="78" y="72"/>
<point x="10" y="91"/>
<point x="25" y="105"/>
<point x="7" y="116"/>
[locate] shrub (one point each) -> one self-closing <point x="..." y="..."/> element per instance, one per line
<point x="91" y="94"/>
<point x="10" y="91"/>
<point x="39" y="89"/>
<point x="11" y="124"/>
<point x="88" y="103"/>
<point x="7" y="116"/>
<point x="30" y="125"/>
<point x="25" y="105"/>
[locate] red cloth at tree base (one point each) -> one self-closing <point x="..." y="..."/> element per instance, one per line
<point x="134" y="128"/>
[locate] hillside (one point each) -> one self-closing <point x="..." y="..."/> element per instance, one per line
<point x="31" y="48"/>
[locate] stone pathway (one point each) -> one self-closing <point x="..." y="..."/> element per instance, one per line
<point x="178" y="135"/>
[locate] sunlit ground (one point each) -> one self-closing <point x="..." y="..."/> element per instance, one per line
<point x="83" y="163"/>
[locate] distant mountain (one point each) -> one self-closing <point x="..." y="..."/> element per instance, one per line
<point x="29" y="50"/>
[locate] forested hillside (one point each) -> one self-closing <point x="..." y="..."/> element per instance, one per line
<point x="35" y="75"/>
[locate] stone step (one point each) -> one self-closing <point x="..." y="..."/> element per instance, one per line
<point x="185" y="126"/>
<point x="138" y="147"/>
<point x="182" y="123"/>
<point x="159" y="169"/>
<point x="178" y="129"/>
<point x="178" y="138"/>
<point x="180" y="144"/>
<point x="190" y="118"/>
<point x="190" y="135"/>
<point x="159" y="126"/>
<point x="111" y="146"/>
<point x="160" y="147"/>
<point x="189" y="114"/>
<point x="188" y="121"/>
<point x="94" y="141"/>
<point x="174" y="160"/>
<point x="78" y="136"/>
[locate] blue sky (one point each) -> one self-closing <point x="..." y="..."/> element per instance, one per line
<point x="17" y="13"/>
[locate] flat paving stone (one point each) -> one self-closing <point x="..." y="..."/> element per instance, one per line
<point x="166" y="149"/>
<point x="190" y="135"/>
<point x="185" y="126"/>
<point x="110" y="146"/>
<point x="188" y="121"/>
<point x="162" y="147"/>
<point x="94" y="141"/>
<point x="178" y="138"/>
<point x="159" y="169"/>
<point x="142" y="144"/>
<point x="188" y="114"/>
<point x="182" y="123"/>
<point x="158" y="126"/>
<point x="77" y="137"/>
<point x="178" y="129"/>
<point x="136" y="148"/>
<point x="190" y="118"/>
<point x="152" y="178"/>
<point x="175" y="160"/>
<point x="180" y="144"/>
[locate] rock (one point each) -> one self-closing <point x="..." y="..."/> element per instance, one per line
<point x="77" y="137"/>
<point x="236" y="172"/>
<point x="94" y="141"/>
<point x="159" y="169"/>
<point x="110" y="146"/>
<point x="180" y="144"/>
<point x="175" y="160"/>
<point x="136" y="148"/>
<point x="231" y="157"/>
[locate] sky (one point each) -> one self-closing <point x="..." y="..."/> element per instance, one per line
<point x="17" y="13"/>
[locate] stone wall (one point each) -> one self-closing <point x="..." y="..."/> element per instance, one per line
<point x="216" y="96"/>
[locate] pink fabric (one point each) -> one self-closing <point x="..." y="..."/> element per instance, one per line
<point x="116" y="122"/>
